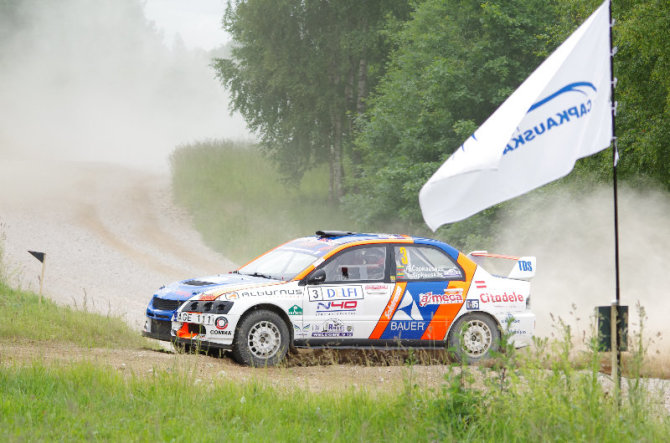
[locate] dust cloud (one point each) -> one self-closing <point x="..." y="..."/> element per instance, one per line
<point x="572" y="236"/>
<point x="93" y="81"/>
<point x="92" y="103"/>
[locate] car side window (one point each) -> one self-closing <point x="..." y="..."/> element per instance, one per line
<point x="358" y="264"/>
<point x="424" y="263"/>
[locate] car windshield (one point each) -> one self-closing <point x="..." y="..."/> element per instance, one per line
<point x="283" y="263"/>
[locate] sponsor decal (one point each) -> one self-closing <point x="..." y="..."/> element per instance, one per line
<point x="408" y="309"/>
<point x="262" y="293"/>
<point x="407" y="329"/>
<point x="526" y="266"/>
<point x="501" y="298"/>
<point x="471" y="305"/>
<point x="346" y="307"/>
<point x="326" y="293"/>
<point x="301" y="331"/>
<point x="394" y="302"/>
<point x="510" y="320"/>
<point x="518" y="331"/>
<point x="565" y="116"/>
<point x="221" y="323"/>
<point x="450" y="296"/>
<point x="295" y="310"/>
<point x="376" y="289"/>
<point x="332" y="328"/>
<point x="480" y="284"/>
<point x="218" y="332"/>
<point x="408" y="325"/>
<point x="414" y="272"/>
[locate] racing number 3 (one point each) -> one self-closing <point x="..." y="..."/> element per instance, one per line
<point x="403" y="255"/>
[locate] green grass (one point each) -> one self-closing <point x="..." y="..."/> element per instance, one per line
<point x="534" y="396"/>
<point x="83" y="401"/>
<point x="23" y="316"/>
<point x="241" y="205"/>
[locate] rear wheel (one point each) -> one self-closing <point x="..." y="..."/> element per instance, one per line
<point x="262" y="339"/>
<point x="474" y="338"/>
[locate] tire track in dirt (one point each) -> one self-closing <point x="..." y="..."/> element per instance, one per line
<point x="150" y="230"/>
<point x="87" y="217"/>
<point x="112" y="235"/>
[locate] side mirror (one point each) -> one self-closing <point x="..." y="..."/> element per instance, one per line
<point x="316" y="277"/>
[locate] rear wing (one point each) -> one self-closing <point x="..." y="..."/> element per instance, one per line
<point x="523" y="269"/>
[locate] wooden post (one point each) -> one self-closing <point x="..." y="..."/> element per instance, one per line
<point x="44" y="265"/>
<point x="42" y="257"/>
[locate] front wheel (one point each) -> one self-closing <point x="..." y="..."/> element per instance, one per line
<point x="261" y="339"/>
<point x="473" y="338"/>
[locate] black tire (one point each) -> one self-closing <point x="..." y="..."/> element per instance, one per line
<point x="261" y="339"/>
<point x="473" y="338"/>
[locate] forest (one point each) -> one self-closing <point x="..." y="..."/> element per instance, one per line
<point x="384" y="91"/>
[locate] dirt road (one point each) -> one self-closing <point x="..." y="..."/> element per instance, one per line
<point x="111" y="234"/>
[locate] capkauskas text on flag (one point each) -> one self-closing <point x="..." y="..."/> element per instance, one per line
<point x="561" y="113"/>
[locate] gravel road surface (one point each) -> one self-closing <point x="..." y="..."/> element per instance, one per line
<point x="111" y="235"/>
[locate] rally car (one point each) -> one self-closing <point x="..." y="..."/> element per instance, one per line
<point x="344" y="289"/>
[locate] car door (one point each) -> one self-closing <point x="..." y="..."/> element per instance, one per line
<point x="428" y="303"/>
<point x="346" y="305"/>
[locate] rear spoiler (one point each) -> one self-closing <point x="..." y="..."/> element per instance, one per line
<point x="524" y="268"/>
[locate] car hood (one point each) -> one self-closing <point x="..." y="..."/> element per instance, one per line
<point x="214" y="284"/>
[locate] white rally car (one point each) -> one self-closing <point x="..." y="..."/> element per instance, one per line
<point x="343" y="289"/>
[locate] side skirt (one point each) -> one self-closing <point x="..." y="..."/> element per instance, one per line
<point x="368" y="344"/>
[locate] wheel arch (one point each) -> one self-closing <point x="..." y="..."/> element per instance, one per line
<point x="273" y="308"/>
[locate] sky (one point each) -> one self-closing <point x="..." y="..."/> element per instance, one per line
<point x="196" y="22"/>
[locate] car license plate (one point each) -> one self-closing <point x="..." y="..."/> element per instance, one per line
<point x="196" y="317"/>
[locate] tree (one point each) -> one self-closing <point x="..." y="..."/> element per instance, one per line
<point x="299" y="72"/>
<point x="456" y="61"/>
<point x="642" y="65"/>
<point x="642" y="35"/>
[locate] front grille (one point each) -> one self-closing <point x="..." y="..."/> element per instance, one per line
<point x="166" y="305"/>
<point x="161" y="328"/>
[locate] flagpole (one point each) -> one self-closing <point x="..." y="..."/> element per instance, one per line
<point x="615" y="159"/>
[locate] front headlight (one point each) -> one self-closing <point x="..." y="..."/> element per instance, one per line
<point x="213" y="307"/>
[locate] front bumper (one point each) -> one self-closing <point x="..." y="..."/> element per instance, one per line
<point x="196" y="343"/>
<point x="158" y="329"/>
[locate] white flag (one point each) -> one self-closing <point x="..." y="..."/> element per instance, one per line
<point x="560" y="113"/>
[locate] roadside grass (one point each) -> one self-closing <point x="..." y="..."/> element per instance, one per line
<point x="519" y="396"/>
<point x="85" y="401"/>
<point x="241" y="205"/>
<point x="23" y="316"/>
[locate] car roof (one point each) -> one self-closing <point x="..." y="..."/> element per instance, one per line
<point x="344" y="237"/>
